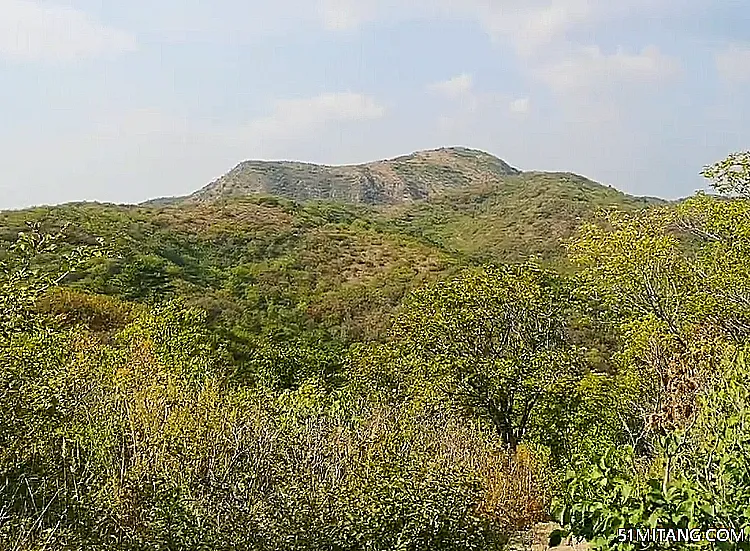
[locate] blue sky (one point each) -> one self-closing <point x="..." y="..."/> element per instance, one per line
<point x="125" y="101"/>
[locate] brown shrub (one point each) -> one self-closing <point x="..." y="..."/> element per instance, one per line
<point x="515" y="496"/>
<point x="96" y="312"/>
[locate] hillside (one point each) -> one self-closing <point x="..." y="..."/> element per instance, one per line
<point x="258" y="372"/>
<point x="262" y="266"/>
<point x="460" y="199"/>
<point x="282" y="266"/>
<point x="530" y="213"/>
<point x="421" y="175"/>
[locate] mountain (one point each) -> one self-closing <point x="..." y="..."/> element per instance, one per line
<point x="282" y="247"/>
<point x="421" y="175"/>
<point x="460" y="199"/>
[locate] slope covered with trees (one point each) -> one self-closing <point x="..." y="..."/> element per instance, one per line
<point x="270" y="270"/>
<point x="261" y="373"/>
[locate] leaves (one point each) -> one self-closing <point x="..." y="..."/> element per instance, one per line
<point x="731" y="175"/>
<point x="240" y="388"/>
<point x="495" y="339"/>
<point x="674" y="283"/>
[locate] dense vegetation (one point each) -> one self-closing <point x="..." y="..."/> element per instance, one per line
<point x="257" y="373"/>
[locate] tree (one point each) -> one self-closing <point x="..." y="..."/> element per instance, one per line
<point x="23" y="282"/>
<point x="496" y="340"/>
<point x="731" y="175"/>
<point x="676" y="282"/>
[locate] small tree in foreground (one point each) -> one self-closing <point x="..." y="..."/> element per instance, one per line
<point x="495" y="340"/>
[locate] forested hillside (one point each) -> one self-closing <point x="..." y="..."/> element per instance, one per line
<point x="434" y="352"/>
<point x="272" y="267"/>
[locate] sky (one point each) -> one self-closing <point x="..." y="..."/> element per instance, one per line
<point x="125" y="101"/>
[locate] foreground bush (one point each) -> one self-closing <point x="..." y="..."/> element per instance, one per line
<point x="136" y="441"/>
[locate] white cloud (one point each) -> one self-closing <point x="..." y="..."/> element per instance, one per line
<point x="520" y="106"/>
<point x="529" y="25"/>
<point x="139" y="154"/>
<point x="294" y="117"/>
<point x="455" y="88"/>
<point x="464" y="101"/>
<point x="34" y="31"/>
<point x="733" y="63"/>
<point x="345" y="15"/>
<point x="598" y="89"/>
<point x="589" y="69"/>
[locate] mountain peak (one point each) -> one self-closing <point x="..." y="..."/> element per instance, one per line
<point x="403" y="179"/>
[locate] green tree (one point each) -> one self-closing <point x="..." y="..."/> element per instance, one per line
<point x="495" y="339"/>
<point x="731" y="175"/>
<point x="23" y="280"/>
<point x="676" y="283"/>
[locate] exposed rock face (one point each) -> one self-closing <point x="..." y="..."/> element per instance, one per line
<point x="395" y="181"/>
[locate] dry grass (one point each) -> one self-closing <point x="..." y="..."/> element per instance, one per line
<point x="515" y="496"/>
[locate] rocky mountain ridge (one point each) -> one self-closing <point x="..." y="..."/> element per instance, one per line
<point x="404" y="179"/>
